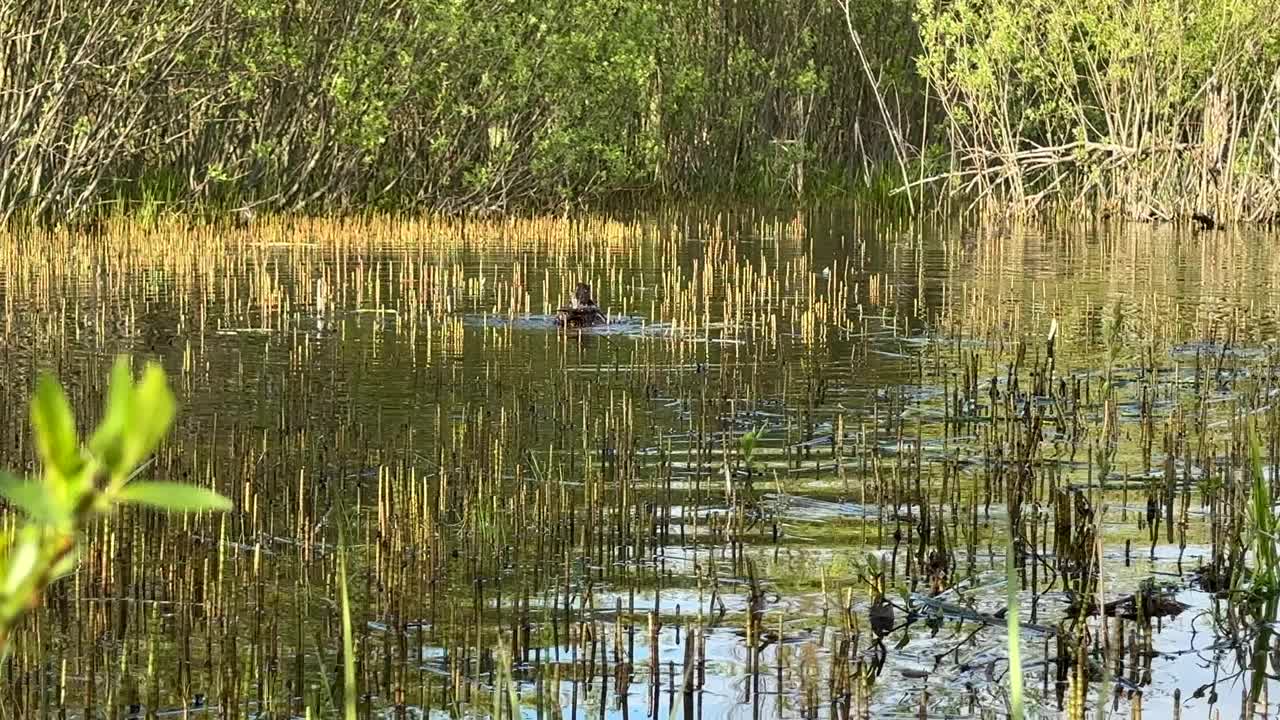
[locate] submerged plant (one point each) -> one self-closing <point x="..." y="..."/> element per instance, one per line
<point x="85" y="480"/>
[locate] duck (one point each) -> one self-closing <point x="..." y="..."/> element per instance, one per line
<point x="582" y="310"/>
<point x="243" y="217"/>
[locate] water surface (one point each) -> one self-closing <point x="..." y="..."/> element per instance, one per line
<point x="573" y="509"/>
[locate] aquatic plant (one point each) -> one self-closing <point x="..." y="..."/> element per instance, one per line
<point x="747" y="447"/>
<point x="1014" y="628"/>
<point x="1264" y="581"/>
<point x="348" y="641"/>
<point x="465" y="512"/>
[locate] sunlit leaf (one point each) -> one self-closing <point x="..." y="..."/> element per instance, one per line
<point x="152" y="412"/>
<point x="175" y="497"/>
<point x="55" y="427"/>
<point x="1011" y="618"/>
<point x="137" y="417"/>
<point x="747" y="443"/>
<point x="105" y="443"/>
<point x="21" y="563"/>
<point x="32" y="498"/>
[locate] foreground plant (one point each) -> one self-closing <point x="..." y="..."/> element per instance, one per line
<point x="84" y="480"/>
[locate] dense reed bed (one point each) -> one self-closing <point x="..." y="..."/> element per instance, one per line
<point x="784" y="481"/>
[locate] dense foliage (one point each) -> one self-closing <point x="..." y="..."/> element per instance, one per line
<point x="1161" y="107"/>
<point x="407" y="104"/>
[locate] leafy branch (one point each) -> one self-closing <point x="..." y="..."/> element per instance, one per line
<point x="82" y="481"/>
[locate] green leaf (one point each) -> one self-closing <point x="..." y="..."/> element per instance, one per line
<point x="172" y="496"/>
<point x="136" y="419"/>
<point x="747" y="443"/>
<point x="32" y="498"/>
<point x="348" y="644"/>
<point x="105" y="443"/>
<point x="1011" y="617"/>
<point x="22" y="561"/>
<point x="149" y="419"/>
<point x="55" y="427"/>
<point x="153" y="411"/>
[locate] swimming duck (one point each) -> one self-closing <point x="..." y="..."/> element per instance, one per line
<point x="582" y="311"/>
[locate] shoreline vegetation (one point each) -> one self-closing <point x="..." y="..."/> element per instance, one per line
<point x="1154" y="110"/>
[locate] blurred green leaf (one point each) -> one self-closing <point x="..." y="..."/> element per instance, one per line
<point x="136" y="419"/>
<point x="175" y="497"/>
<point x="22" y="560"/>
<point x="105" y="443"/>
<point x="55" y="427"/>
<point x="149" y="418"/>
<point x="1011" y="617"/>
<point x="32" y="498"/>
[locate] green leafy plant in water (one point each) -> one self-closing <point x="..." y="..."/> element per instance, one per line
<point x="746" y="451"/>
<point x="1264" y="582"/>
<point x="83" y="480"/>
<point x="348" y="640"/>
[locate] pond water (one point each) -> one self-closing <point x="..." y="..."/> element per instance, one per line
<point x="578" y="523"/>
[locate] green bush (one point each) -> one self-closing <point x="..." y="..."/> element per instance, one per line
<point x="440" y="103"/>
<point x="1132" y="98"/>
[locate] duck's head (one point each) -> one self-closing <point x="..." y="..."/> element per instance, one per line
<point x="582" y="296"/>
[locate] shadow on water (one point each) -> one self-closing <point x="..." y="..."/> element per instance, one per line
<point x="778" y="483"/>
